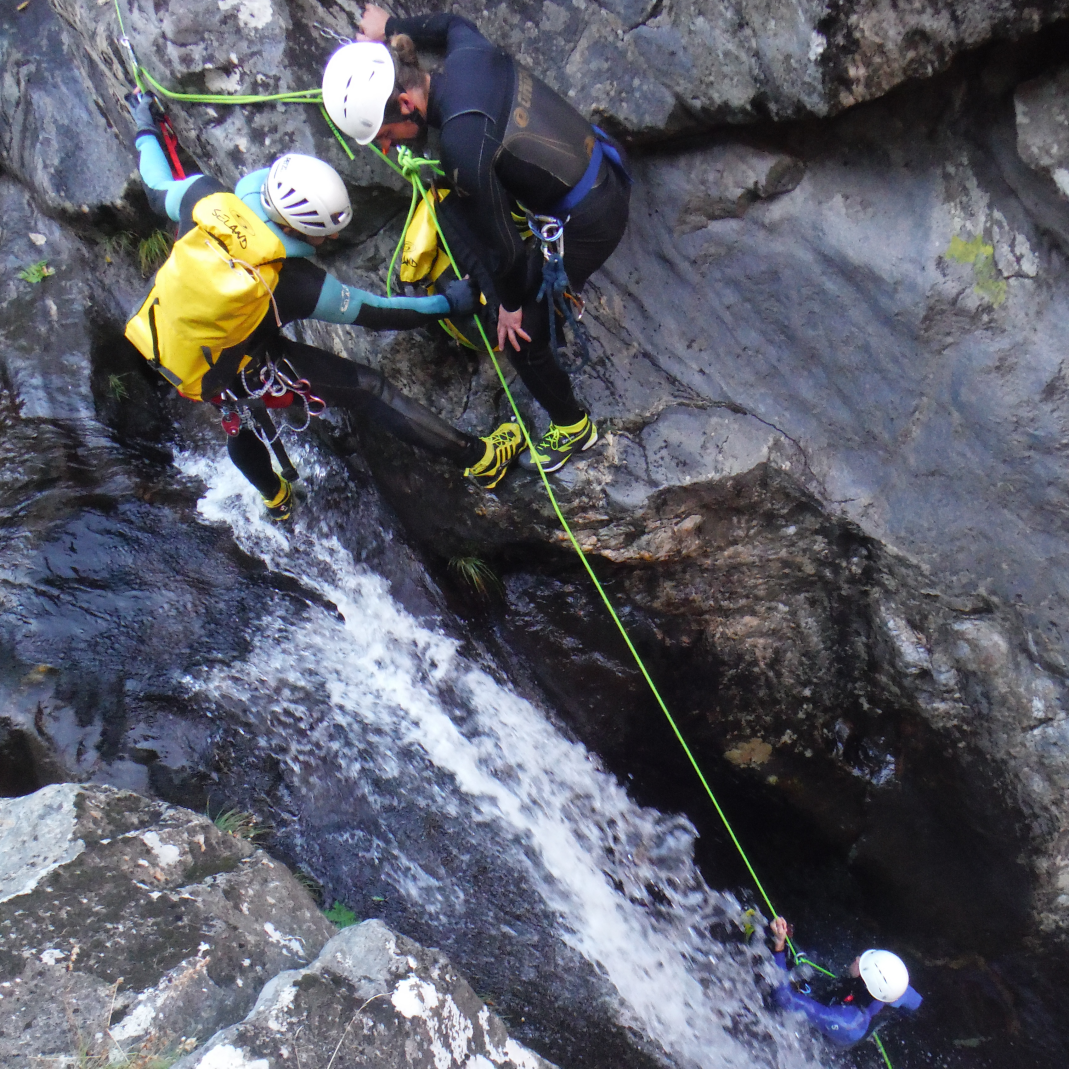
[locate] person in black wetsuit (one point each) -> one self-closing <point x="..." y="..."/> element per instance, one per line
<point x="507" y="138"/>
<point x="303" y="201"/>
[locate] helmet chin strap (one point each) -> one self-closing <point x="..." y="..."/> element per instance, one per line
<point x="272" y="212"/>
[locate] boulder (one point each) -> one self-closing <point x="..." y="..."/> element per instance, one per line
<point x="58" y="132"/>
<point x="371" y="998"/>
<point x="129" y="925"/>
<point x="1042" y="109"/>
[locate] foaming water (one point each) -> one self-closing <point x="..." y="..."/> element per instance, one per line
<point x="384" y="715"/>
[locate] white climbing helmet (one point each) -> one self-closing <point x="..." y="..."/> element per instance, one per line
<point x="306" y="194"/>
<point x="357" y="83"/>
<point x="885" y="975"/>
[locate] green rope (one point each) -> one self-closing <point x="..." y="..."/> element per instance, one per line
<point x="300" y="96"/>
<point x="883" y="1051"/>
<point x="414" y="177"/>
<point x="408" y="165"/>
<point x="801" y="959"/>
<point x="590" y="571"/>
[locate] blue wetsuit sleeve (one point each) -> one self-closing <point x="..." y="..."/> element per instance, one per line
<point x="780" y="958"/>
<point x="843" y="1025"/>
<point x="910" y="1001"/>
<point x="339" y="303"/>
<point x="156" y="174"/>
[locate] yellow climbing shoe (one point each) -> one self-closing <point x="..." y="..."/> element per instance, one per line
<point x="559" y="443"/>
<point x="501" y="449"/>
<point x="280" y="507"/>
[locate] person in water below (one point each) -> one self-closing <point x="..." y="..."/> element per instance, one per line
<point x="507" y="140"/>
<point x="878" y="981"/>
<point x="209" y="292"/>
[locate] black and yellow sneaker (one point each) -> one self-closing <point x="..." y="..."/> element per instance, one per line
<point x="280" y="507"/>
<point x="501" y="449"/>
<point x="559" y="443"/>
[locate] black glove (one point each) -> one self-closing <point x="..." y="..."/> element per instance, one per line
<point x="463" y="297"/>
<point x="146" y="113"/>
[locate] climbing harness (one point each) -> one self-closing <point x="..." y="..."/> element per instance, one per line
<point x="556" y="289"/>
<point x="277" y="388"/>
<point x="408" y="166"/>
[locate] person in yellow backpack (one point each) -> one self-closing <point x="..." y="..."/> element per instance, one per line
<point x="240" y="270"/>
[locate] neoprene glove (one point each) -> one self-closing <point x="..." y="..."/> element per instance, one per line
<point x="143" y="109"/>
<point x="463" y="296"/>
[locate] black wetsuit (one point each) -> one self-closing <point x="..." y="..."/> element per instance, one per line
<point x="506" y="137"/>
<point x="341" y="383"/>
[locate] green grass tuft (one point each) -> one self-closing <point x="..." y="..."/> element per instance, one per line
<point x="340" y="915"/>
<point x="37" y="272"/>
<point x="240" y="825"/>
<point x="114" y="244"/>
<point x="153" y="250"/>
<point x="476" y="574"/>
<point x="118" y="387"/>
<point x="310" y="884"/>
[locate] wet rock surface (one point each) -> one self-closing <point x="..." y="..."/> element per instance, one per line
<point x="130" y="925"/>
<point x="370" y="998"/>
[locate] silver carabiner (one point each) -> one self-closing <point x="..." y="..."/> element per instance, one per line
<point x="331" y="35"/>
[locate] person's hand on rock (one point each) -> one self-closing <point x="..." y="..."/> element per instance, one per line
<point x="373" y="24"/>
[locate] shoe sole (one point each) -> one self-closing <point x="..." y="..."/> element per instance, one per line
<point x="581" y="449"/>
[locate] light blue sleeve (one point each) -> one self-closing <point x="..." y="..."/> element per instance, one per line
<point x="339" y="303"/>
<point x="156" y="174"/>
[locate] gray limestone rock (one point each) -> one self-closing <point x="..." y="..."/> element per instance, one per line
<point x="57" y="127"/>
<point x="129" y="925"/>
<point x="371" y="998"/>
<point x="1042" y="107"/>
<point x="45" y="333"/>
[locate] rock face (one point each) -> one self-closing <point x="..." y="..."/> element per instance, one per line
<point x="55" y="135"/>
<point x="371" y="998"/>
<point x="135" y="927"/>
<point x="1043" y="126"/>
<point x="129" y="925"/>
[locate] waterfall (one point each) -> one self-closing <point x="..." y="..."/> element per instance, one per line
<point x="382" y="727"/>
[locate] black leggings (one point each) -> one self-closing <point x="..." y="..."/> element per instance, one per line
<point x="363" y="391"/>
<point x="594" y="230"/>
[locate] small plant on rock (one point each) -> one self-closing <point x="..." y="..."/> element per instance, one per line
<point x="153" y="250"/>
<point x="310" y="884"/>
<point x="340" y="915"/>
<point x="115" y="244"/>
<point x="240" y="825"/>
<point x="476" y="574"/>
<point x="37" y="272"/>
<point x="118" y="387"/>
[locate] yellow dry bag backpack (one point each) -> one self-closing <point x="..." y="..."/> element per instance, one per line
<point x="422" y="260"/>
<point x="210" y="295"/>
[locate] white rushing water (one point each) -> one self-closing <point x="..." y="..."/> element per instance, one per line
<point x="379" y="690"/>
